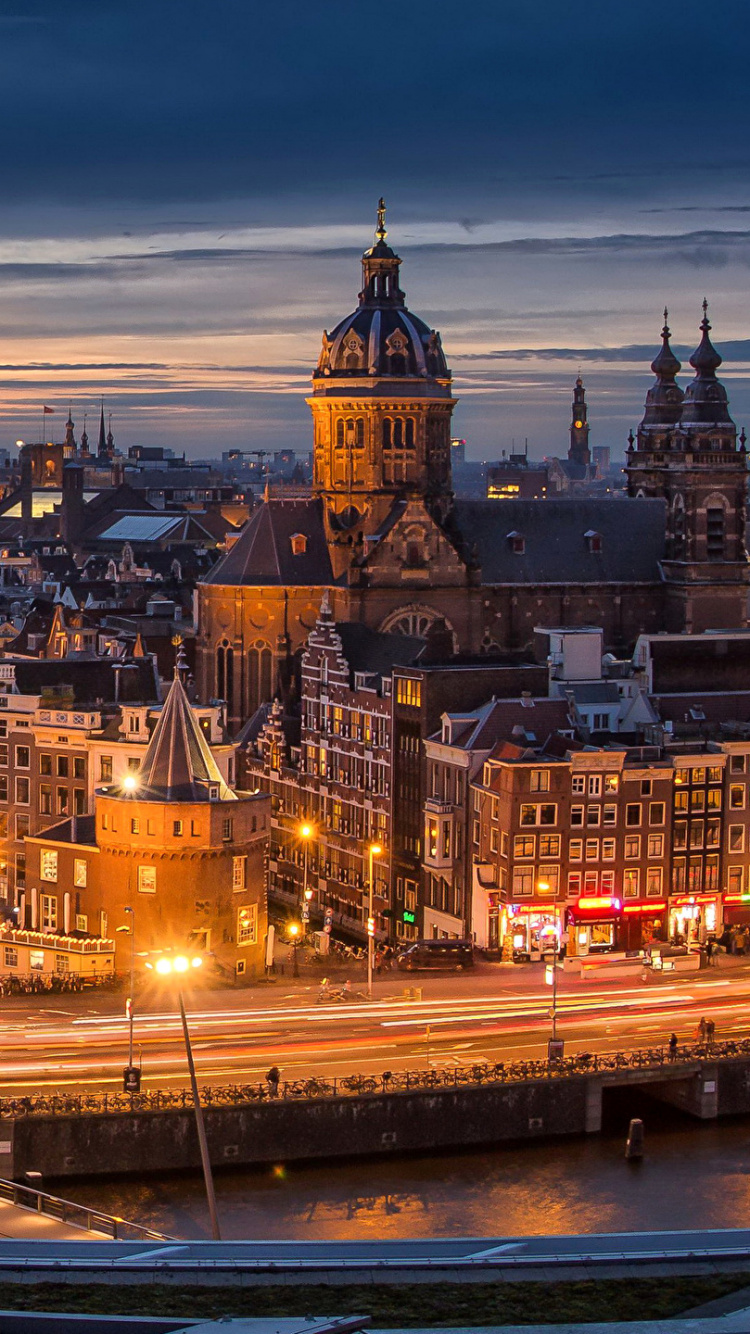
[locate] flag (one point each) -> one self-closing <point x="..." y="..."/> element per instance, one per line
<point x="45" y="410"/>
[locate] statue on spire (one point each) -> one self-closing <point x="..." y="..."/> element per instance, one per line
<point x="380" y="231"/>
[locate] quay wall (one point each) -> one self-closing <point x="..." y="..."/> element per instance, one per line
<point x="309" y="1129"/>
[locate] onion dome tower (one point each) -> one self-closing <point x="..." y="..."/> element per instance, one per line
<point x="381" y="404"/>
<point x="687" y="454"/>
<point x="579" y="452"/>
<point x="69" y="444"/>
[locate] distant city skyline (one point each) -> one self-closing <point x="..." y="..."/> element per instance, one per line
<point x="184" y="210"/>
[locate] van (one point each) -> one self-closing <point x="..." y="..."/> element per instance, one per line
<point x="446" y="954"/>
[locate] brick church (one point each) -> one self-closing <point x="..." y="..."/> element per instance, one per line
<point x="384" y="536"/>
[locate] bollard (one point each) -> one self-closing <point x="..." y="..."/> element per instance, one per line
<point x="634" y="1142"/>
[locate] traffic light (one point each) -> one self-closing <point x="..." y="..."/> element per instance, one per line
<point x="371" y="926"/>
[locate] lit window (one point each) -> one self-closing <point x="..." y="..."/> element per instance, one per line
<point x="146" y="879"/>
<point x="247" y="924"/>
<point x="79" y="873"/>
<point x="48" y="866"/>
<point x="239" y="873"/>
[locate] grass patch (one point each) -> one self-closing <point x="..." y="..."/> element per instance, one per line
<point x="393" y="1305"/>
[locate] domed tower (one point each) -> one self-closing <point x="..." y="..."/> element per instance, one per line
<point x="381" y="405"/>
<point x="686" y="453"/>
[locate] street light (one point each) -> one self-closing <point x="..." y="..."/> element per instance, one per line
<point x="306" y="832"/>
<point x="129" y="1003"/>
<point x="374" y="851"/>
<point x="166" y="965"/>
<point x="130" y="782"/>
<point x="294" y="933"/>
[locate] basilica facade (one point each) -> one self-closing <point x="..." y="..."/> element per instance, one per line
<point x="384" y="537"/>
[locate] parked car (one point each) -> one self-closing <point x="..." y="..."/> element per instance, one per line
<point x="427" y="954"/>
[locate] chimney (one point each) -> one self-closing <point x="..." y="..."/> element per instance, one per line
<point x="72" y="503"/>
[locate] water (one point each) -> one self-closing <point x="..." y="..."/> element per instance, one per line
<point x="692" y="1176"/>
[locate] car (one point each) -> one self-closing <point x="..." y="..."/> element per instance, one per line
<point x="428" y="954"/>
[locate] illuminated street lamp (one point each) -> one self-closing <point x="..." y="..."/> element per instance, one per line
<point x="373" y="851"/>
<point x="130" y="783"/>
<point x="130" y="930"/>
<point x="166" y="966"/>
<point x="306" y="832"/>
<point x="294" y="930"/>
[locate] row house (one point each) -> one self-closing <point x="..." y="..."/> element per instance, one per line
<point x="329" y="775"/>
<point x="610" y="848"/>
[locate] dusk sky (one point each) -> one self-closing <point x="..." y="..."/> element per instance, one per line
<point x="187" y="188"/>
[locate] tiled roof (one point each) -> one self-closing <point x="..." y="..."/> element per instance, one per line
<point x="263" y="552"/>
<point x="555" y="547"/>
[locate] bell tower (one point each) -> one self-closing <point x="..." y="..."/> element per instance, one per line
<point x="578" y="451"/>
<point x="381" y="405"/>
<point x="687" y="452"/>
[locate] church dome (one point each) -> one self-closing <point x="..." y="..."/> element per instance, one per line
<point x="664" y="398"/>
<point x="382" y="337"/>
<point x="705" y="404"/>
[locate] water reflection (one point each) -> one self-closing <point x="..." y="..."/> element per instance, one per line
<point x="689" y="1178"/>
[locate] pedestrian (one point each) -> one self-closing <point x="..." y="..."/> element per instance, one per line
<point x="710" y="950"/>
<point x="710" y="1032"/>
<point x="272" y="1080"/>
<point x="702" y="1031"/>
<point x="673" y="1047"/>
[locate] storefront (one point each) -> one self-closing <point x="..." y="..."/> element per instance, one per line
<point x="534" y="929"/>
<point x="594" y="925"/>
<point x="736" y="911"/>
<point x="643" y="925"/>
<point x="694" y="917"/>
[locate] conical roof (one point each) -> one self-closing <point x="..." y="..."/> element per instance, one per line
<point x="705" y="406"/>
<point x="665" y="363"/>
<point x="664" y="398"/>
<point x="178" y="764"/>
<point x="705" y="359"/>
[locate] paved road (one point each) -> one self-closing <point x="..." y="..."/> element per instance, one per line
<point x="490" y="1015"/>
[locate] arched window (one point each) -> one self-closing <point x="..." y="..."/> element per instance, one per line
<point x="260" y="674"/>
<point x="224" y="671"/>
<point x="387" y="433"/>
<point x="409" y="432"/>
<point x="715" y="533"/>
<point x="340" y="433"/>
<point x="398" y="432"/>
<point x="360" y="433"/>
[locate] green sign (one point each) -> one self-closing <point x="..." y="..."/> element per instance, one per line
<point x="409" y="917"/>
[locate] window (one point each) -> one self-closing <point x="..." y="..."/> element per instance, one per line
<point x="22" y="791"/>
<point x="177" y="828"/>
<point x="656" y="812"/>
<point x="714" y="799"/>
<point x="45" y="764"/>
<point x="226" y="829"/>
<point x="576" y="816"/>
<point x="736" y="837"/>
<point x="549" y="845"/>
<point x="49" y="912"/>
<point x="146" y="879"/>
<point x="105" y="768"/>
<point x="633" y="814"/>
<point x="593" y="815"/>
<point x="713" y="833"/>
<point x="524" y="845"/>
<point x="591" y="882"/>
<point x="540" y="780"/>
<point x="23" y="757"/>
<point x="714" y="774"/>
<point x="696" y="834"/>
<point x="247" y="924"/>
<point x="3" y="787"/>
<point x="63" y="801"/>
<point x="592" y="849"/>
<point x="611" y="782"/>
<point x="135" y="826"/>
<point x="10" y="955"/>
<point x="645" y="787"/>
<point x="737" y="797"/>
<point x="3" y="752"/>
<point x="23" y="825"/>
<point x="523" y="880"/>
<point x="62" y="963"/>
<point x="610" y="815"/>
<point x="548" y="881"/>
<point x="608" y="849"/>
<point x="20" y="870"/>
<point x="630" y="880"/>
<point x="574" y="884"/>
<point x="680" y="835"/>
<point x="595" y="785"/>
<point x="80" y="868"/>
<point x="653" y="882"/>
<point x="737" y="764"/>
<point x="655" y="845"/>
<point x="679" y="876"/>
<point x="698" y="800"/>
<point x="79" y="767"/>
<point x="632" y="845"/>
<point x="48" y="866"/>
<point x="734" y="880"/>
<point x="239" y="873"/>
<point x="575" y="850"/>
<point x="409" y="692"/>
<point x="681" y="802"/>
<point x="698" y="777"/>
<point x="531" y="815"/>
<point x="36" y="960"/>
<point x="79" y="800"/>
<point x="695" y="875"/>
<point x="62" y="766"/>
<point x="711" y="877"/>
<point x="579" y="784"/>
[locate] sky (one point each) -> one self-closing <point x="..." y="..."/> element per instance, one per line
<point x="186" y="189"/>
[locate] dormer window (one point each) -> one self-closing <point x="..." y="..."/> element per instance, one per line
<point x="299" y="544"/>
<point x="593" y="540"/>
<point x="516" y="542"/>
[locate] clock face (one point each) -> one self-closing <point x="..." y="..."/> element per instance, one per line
<point x="578" y="425"/>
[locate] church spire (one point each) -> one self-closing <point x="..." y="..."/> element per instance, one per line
<point x="102" y="446"/>
<point x="664" y="398"/>
<point x="70" y="440"/>
<point x="380" y="266"/>
<point x="665" y="364"/>
<point x="705" y="359"/>
<point x="705" y="406"/>
<point x="178" y="764"/>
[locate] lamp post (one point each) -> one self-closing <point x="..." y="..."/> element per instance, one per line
<point x="294" y="933"/>
<point x="306" y="832"/>
<point x="374" y="851"/>
<point x="179" y="964"/>
<point x="131" y="997"/>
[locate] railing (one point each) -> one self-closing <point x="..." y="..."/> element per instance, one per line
<point x="511" y="1072"/>
<point x="77" y="1215"/>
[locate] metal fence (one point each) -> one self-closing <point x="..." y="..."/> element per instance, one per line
<point x="77" y="1215"/>
<point x="235" y="1095"/>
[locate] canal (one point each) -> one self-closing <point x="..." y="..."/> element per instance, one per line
<point x="693" y="1175"/>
